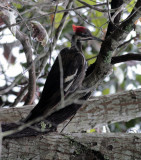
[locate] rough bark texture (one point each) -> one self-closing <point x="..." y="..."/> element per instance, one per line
<point x="99" y="111"/>
<point x="107" y="109"/>
<point x="56" y="146"/>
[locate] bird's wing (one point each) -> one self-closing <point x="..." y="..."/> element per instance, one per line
<point x="72" y="64"/>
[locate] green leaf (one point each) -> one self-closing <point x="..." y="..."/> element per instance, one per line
<point x="130" y="6"/>
<point x="123" y="85"/>
<point x="106" y="91"/>
<point x="43" y="126"/>
<point x="24" y="65"/>
<point x="100" y="22"/>
<point x="68" y="44"/>
<point x="98" y="14"/>
<point x="90" y="2"/>
<point x="58" y="18"/>
<point x="131" y="123"/>
<point x="138" y="78"/>
<point x="88" y="56"/>
<point x="28" y="14"/>
<point x="86" y="1"/>
<point x="17" y="5"/>
<point x="91" y="130"/>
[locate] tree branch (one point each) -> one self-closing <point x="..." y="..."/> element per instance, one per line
<point x="126" y="57"/>
<point x="98" y="111"/>
<point x="75" y="146"/>
<point x="32" y="76"/>
<point x="93" y="6"/>
<point x="8" y="88"/>
<point x="118" y="59"/>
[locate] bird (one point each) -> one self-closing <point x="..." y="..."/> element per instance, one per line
<point x="70" y="74"/>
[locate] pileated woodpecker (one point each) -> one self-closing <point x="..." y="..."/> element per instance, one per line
<point x="73" y="71"/>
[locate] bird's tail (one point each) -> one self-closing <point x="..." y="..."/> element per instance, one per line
<point x="33" y="115"/>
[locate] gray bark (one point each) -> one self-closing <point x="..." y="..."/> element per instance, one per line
<point x="75" y="146"/>
<point x="101" y="110"/>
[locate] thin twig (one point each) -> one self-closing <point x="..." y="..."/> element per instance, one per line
<point x="109" y="15"/>
<point x="52" y="27"/>
<point x="84" y="19"/>
<point x="91" y="58"/>
<point x="20" y="97"/>
<point x="62" y="23"/>
<point x="118" y="11"/>
<point x="8" y="88"/>
<point x="126" y="42"/>
<point x="67" y="123"/>
<point x="93" y="7"/>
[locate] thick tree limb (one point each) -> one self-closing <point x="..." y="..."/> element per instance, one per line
<point x="119" y="59"/>
<point x="106" y="109"/>
<point x="98" y="111"/>
<point x="75" y="146"/>
<point x="126" y="57"/>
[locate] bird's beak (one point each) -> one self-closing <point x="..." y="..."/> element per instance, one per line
<point x="97" y="39"/>
<point x="92" y="38"/>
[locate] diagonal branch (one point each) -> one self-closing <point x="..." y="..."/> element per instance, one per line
<point x="93" y="6"/>
<point x="119" y="59"/>
<point x="126" y="57"/>
<point x="8" y="88"/>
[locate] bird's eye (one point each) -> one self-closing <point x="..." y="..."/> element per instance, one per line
<point x="84" y="34"/>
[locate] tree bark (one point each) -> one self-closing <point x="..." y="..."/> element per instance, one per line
<point x="98" y="111"/>
<point x="78" y="146"/>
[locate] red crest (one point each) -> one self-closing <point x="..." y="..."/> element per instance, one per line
<point x="78" y="28"/>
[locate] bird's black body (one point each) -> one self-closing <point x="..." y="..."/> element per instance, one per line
<point x="73" y="71"/>
<point x="74" y="67"/>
